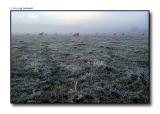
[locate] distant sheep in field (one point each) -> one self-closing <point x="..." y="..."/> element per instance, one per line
<point x="76" y="34"/>
<point x="41" y="34"/>
<point x="115" y="34"/>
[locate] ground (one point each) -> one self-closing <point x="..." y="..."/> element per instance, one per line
<point x="95" y="69"/>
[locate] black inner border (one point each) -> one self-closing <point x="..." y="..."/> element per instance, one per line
<point x="85" y="104"/>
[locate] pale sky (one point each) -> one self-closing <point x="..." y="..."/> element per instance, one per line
<point x="78" y="21"/>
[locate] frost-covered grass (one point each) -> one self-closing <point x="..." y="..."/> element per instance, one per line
<point x="86" y="69"/>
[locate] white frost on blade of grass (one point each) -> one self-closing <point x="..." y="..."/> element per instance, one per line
<point x="74" y="68"/>
<point x="99" y="63"/>
<point x="35" y="64"/>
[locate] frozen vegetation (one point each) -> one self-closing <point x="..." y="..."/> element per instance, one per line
<point x="61" y="68"/>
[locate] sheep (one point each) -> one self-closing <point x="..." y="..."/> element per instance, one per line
<point x="115" y="34"/>
<point x="41" y="34"/>
<point x="123" y="34"/>
<point x="76" y="34"/>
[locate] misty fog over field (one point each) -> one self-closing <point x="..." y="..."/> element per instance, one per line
<point x="79" y="21"/>
<point x="93" y="57"/>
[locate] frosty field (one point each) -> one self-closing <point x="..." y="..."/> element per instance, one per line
<point x="94" y="69"/>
